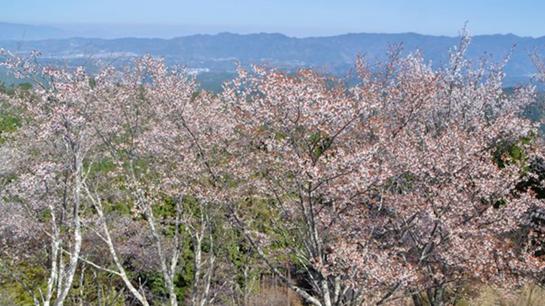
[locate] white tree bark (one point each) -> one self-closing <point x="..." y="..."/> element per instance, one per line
<point x="70" y="271"/>
<point x="121" y="272"/>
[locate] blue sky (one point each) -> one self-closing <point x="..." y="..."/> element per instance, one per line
<point x="295" y="17"/>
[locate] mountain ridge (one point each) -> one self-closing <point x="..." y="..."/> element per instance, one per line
<point x="222" y="52"/>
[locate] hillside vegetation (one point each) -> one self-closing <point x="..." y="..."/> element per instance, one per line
<point x="419" y="185"/>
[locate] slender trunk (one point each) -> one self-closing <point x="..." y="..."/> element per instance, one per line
<point x="61" y="270"/>
<point x="55" y="245"/>
<point x="197" y="266"/>
<point x="73" y="262"/>
<point x="81" y="285"/>
<point x="98" y="288"/>
<point x="167" y="275"/>
<point x="325" y="292"/>
<point x="201" y="284"/>
<point x="204" y="299"/>
<point x="206" y="294"/>
<point x="417" y="300"/>
<point x="337" y="292"/>
<point x="435" y="296"/>
<point x="141" y="199"/>
<point x="109" y="242"/>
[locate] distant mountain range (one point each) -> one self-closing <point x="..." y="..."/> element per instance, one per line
<point x="219" y="53"/>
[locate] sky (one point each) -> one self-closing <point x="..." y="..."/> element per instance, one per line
<point x="292" y="17"/>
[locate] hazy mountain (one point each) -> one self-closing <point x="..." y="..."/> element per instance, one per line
<point x="219" y="53"/>
<point x="24" y="32"/>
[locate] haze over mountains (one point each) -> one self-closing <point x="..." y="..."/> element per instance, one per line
<point x="219" y="53"/>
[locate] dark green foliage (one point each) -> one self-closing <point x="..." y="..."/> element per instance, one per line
<point x="400" y="184"/>
<point x="100" y="168"/>
<point x="262" y="214"/>
<point x="9" y="123"/>
<point x="12" y="89"/>
<point x="92" y="82"/>
<point x="154" y="282"/>
<point x="10" y="120"/>
<point x="535" y="181"/>
<point x="15" y="281"/>
<point x="500" y="203"/>
<point x="512" y="152"/>
<point x="121" y="208"/>
<point x="319" y="143"/>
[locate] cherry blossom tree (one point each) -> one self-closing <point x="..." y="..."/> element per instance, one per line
<point x="157" y="135"/>
<point x="48" y="154"/>
<point x="390" y="187"/>
<point x="161" y="135"/>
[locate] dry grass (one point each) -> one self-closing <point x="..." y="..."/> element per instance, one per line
<point x="529" y="295"/>
<point x="271" y="295"/>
